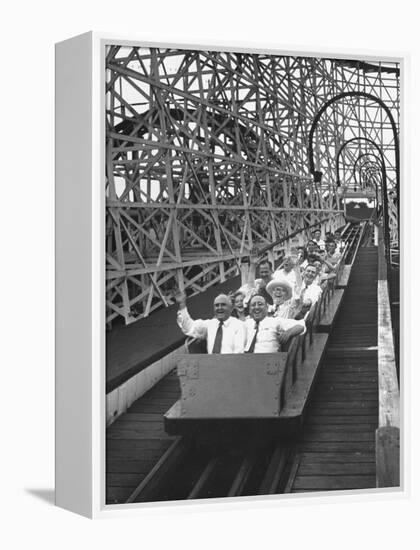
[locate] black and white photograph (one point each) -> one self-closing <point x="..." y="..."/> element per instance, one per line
<point x="209" y="275"/>
<point x="252" y="283"/>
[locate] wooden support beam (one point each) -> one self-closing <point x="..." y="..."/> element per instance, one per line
<point x="387" y="457"/>
<point x="199" y="140"/>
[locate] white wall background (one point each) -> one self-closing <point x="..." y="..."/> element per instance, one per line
<point x="28" y="33"/>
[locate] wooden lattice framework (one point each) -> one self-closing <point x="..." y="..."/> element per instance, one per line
<point x="368" y="128"/>
<point x="207" y="159"/>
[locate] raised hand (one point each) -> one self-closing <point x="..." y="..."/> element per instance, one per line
<point x="181" y="299"/>
<point x="254" y="254"/>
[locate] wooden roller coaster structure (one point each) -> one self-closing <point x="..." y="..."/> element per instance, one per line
<point x="207" y="159"/>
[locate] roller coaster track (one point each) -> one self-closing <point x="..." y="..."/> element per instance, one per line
<point x="228" y="465"/>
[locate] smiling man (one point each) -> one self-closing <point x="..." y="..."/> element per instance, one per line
<point x="310" y="290"/>
<point x="265" y="271"/>
<point x="316" y="236"/>
<point x="223" y="333"/>
<point x="265" y="334"/>
<point x="290" y="270"/>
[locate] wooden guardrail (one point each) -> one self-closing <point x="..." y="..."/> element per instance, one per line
<point x="388" y="432"/>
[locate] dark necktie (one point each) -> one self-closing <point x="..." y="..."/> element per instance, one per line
<point x="217" y="347"/>
<point x="252" y="346"/>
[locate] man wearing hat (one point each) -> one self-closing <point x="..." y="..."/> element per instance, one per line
<point x="284" y="304"/>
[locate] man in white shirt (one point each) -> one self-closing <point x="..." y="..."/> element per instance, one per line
<point x="251" y="285"/>
<point x="316" y="236"/>
<point x="310" y="293"/>
<point x="288" y="270"/>
<point x="310" y="290"/>
<point x="324" y="272"/>
<point x="338" y="241"/>
<point x="223" y="333"/>
<point x="265" y="334"/>
<point x="312" y="249"/>
<point x="265" y="272"/>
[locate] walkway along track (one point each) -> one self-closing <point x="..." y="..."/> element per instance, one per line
<point x="336" y="450"/>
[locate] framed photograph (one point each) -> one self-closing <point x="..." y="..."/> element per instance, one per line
<point x="228" y="273"/>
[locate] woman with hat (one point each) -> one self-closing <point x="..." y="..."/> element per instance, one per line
<point x="284" y="304"/>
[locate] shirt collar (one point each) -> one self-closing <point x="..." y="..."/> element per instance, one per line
<point x="225" y="323"/>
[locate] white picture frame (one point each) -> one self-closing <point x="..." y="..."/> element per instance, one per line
<point x="80" y="266"/>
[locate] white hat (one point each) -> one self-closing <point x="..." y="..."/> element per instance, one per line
<point x="284" y="283"/>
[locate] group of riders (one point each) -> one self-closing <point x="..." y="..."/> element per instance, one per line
<point x="268" y="309"/>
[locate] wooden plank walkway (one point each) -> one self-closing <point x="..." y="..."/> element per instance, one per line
<point x="137" y="439"/>
<point x="337" y="448"/>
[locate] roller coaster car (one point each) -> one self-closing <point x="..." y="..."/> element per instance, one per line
<point x="255" y="393"/>
<point x="261" y="393"/>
